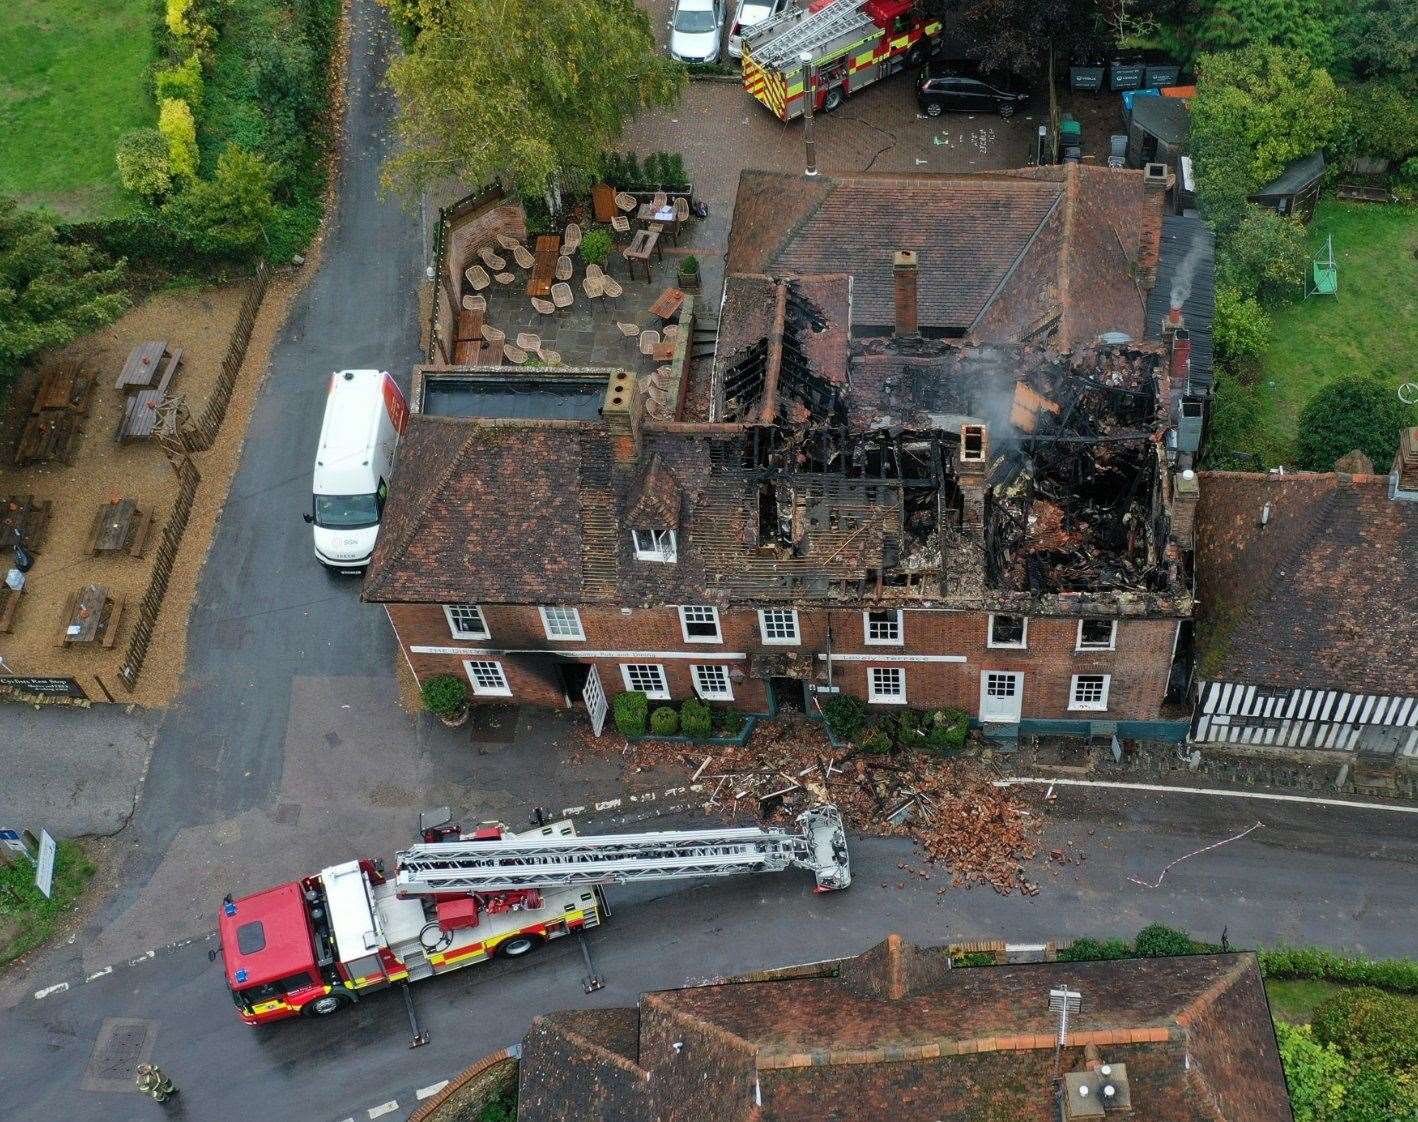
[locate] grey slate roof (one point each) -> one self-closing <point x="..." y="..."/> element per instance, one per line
<point x="1298" y="173"/>
<point x="1166" y="118"/>
<point x="1181" y="236"/>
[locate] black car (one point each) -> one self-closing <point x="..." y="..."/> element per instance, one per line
<point x="950" y="93"/>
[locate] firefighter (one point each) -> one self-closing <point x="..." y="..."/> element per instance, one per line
<point x="152" y="1081"/>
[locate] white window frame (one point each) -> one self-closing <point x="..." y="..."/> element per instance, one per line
<point x="684" y="621"/>
<point x="456" y="632"/>
<point x="561" y="617"/>
<point x="718" y="670"/>
<point x="1099" y="706"/>
<point x="482" y="690"/>
<point x="900" y="638"/>
<point x="1022" y="645"/>
<point x="1111" y="644"/>
<point x="875" y="696"/>
<point x="779" y="641"/>
<point x="662" y="546"/>
<point x="661" y="694"/>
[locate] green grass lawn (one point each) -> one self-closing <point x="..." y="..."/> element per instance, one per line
<point x="27" y="918"/>
<point x="74" y="75"/>
<point x="1294" y="999"/>
<point x="1371" y="327"/>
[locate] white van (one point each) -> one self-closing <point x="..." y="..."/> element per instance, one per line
<point x="364" y="415"/>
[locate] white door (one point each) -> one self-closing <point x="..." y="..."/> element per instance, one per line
<point x="595" y="698"/>
<point x="1001" y="696"/>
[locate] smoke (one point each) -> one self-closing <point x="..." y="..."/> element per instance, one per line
<point x="1182" y="282"/>
<point x="991" y="372"/>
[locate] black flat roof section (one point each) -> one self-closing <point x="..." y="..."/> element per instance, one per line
<point x="1186" y="271"/>
<point x="546" y="398"/>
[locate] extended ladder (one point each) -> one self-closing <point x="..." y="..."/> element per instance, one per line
<point x="513" y="863"/>
<point x="781" y="51"/>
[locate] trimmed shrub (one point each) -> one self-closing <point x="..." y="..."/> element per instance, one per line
<point x="179" y="129"/>
<point x="444" y="695"/>
<point x="630" y="711"/>
<point x="595" y="247"/>
<point x="910" y="728"/>
<point x="664" y="721"/>
<point x="690" y="265"/>
<point x="1241" y="330"/>
<point x="729" y="722"/>
<point x="946" y="729"/>
<point x="877" y="741"/>
<point x="1158" y="941"/>
<point x="1397" y="974"/>
<point x="845" y="715"/>
<point x="1369" y="1026"/>
<point x="144" y="163"/>
<point x="183" y="82"/>
<point x="1378" y="1096"/>
<point x="1095" y="950"/>
<point x="189" y="26"/>
<point x="695" y="720"/>
<point x="1356" y="411"/>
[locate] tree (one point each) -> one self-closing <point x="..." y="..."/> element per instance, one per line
<point x="1306" y="26"/>
<point x="1380" y="37"/>
<point x="1314" y="1073"/>
<point x="1240" y="331"/>
<point x="527" y="91"/>
<point x="1016" y="36"/>
<point x="143" y="163"/>
<point x="228" y="213"/>
<point x="1266" y="255"/>
<point x="176" y="123"/>
<point x="1358" y="411"/>
<point x="50" y="292"/>
<point x="1382" y="121"/>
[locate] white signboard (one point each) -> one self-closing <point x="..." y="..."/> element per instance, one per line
<point x="44" y="874"/>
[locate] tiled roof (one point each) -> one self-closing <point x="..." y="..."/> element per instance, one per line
<point x="896" y="1033"/>
<point x="1321" y="596"/>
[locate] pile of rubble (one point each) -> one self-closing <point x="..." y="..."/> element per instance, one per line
<point x="981" y="833"/>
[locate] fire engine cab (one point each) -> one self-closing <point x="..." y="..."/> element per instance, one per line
<point x="853" y="43"/>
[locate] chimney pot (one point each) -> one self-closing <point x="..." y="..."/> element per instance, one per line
<point x="904" y="270"/>
<point x="623" y="409"/>
<point x="1186" y="493"/>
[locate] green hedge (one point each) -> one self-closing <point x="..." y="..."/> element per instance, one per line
<point x="1397" y="974"/>
<point x="631" y="710"/>
<point x="695" y="720"/>
<point x="664" y="721"/>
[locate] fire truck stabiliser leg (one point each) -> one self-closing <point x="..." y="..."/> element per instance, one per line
<point x="592" y="981"/>
<point x="420" y="1037"/>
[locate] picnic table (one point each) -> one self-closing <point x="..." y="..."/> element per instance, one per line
<point x="140" y="415"/>
<point x="120" y="525"/>
<point x="667" y="304"/>
<point x="664" y="351"/>
<point x="23" y="521"/>
<point x="642" y="245"/>
<point x="50" y="435"/>
<point x="544" y="265"/>
<point x="148" y="364"/>
<point x="664" y="216"/>
<point x="91" y="615"/>
<point x="62" y="386"/>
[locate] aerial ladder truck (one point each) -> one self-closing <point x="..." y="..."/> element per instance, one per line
<point x="311" y="947"/>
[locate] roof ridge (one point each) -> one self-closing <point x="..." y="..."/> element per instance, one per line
<point x="709" y="1028"/>
<point x="610" y="1055"/>
<point x="1206" y="997"/>
<point x="1065" y="259"/>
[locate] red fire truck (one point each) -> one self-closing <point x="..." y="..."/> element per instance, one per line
<point x="315" y="945"/>
<point x="853" y="43"/>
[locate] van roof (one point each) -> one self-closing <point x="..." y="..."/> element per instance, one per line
<point x="351" y="416"/>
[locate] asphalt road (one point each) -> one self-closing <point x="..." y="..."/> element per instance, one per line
<point x="1342" y="877"/>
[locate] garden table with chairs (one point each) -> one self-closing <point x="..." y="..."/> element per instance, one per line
<point x="544" y="265"/>
<point x="91" y="615"/>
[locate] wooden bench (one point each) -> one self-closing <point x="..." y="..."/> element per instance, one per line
<point x="51" y="435"/>
<point x="24" y="521"/>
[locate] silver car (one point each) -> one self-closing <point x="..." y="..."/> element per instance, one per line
<point x="697" y="30"/>
<point x="751" y="13"/>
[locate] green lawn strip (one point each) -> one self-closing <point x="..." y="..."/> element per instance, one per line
<point x="74" y="75"/>
<point x="1371" y="327"/>
<point x="27" y="919"/>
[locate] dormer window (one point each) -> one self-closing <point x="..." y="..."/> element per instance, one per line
<point x="654" y="545"/>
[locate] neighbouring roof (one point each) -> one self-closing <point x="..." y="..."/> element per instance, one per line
<point x="1321" y="596"/>
<point x="1166" y="118"/>
<point x="1298" y="174"/>
<point x="895" y="1032"/>
<point x="1001" y="255"/>
<point x="1186" y="273"/>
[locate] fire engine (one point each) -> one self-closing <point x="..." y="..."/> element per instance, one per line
<point x="853" y="43"/>
<point x="315" y="945"/>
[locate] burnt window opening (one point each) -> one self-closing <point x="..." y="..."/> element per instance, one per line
<point x="1007" y="631"/>
<point x="743" y="382"/>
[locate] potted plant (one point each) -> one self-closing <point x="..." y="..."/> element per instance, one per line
<point x="595" y="247"/>
<point x="689" y="274"/>
<point x="446" y="697"/>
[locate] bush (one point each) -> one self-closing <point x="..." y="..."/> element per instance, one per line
<point x="972" y="958"/>
<point x="445" y="696"/>
<point x="1369" y="1027"/>
<point x="1397" y="974"/>
<point x="228" y="213"/>
<point x="878" y="741"/>
<point x="1315" y="1074"/>
<point x="1379" y="1096"/>
<point x="664" y="721"/>
<point x="1095" y="950"/>
<point x="1241" y="329"/>
<point x="845" y="715"/>
<point x="1157" y="941"/>
<point x="695" y="720"/>
<point x="630" y="710"/>
<point x="690" y="265"/>
<point x="144" y="163"/>
<point x="189" y="26"/>
<point x="595" y="247"/>
<point x="180" y="131"/>
<point x="182" y="82"/>
<point x="1357" y="411"/>
<point x="1267" y="256"/>
<point x="729" y="722"/>
<point x="946" y="729"/>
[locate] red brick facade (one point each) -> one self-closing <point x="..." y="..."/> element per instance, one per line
<point x="943" y="656"/>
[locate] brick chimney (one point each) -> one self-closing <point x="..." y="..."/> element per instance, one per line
<point x="624" y="411"/>
<point x="1186" y="493"/>
<point x="1403" y="482"/>
<point x="904" y="270"/>
<point x="1155" y="181"/>
<point x="970" y="468"/>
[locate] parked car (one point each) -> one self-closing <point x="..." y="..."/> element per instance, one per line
<point x="955" y="93"/>
<point x="696" y="30"/>
<point x="751" y="13"/>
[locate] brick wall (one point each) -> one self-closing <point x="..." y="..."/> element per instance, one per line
<point x="1138" y="666"/>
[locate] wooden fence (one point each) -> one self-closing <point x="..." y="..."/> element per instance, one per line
<point x="164" y="559"/>
<point x="211" y="420"/>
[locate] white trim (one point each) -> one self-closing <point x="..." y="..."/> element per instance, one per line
<point x="1078" y="646"/>
<point x="719" y="656"/>
<point x="1165" y="789"/>
<point x="728" y="692"/>
<point x="900" y="639"/>
<point x="875" y="698"/>
<point x="657" y="551"/>
<point x="990" y="704"/>
<point x="797" y="638"/>
<point x="662" y="694"/>
<point x="1099" y="706"/>
<point x="684" y="624"/>
<point x="1022" y="645"/>
<point x="579" y="637"/>
<point x="487" y="691"/>
<point x="453" y="630"/>
<point x="885" y="656"/>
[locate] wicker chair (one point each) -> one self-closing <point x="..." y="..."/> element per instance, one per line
<point x="493" y="334"/>
<point x="550" y="357"/>
<point x="546" y="307"/>
<point x="571" y="240"/>
<point x="594" y="270"/>
<point x="629" y="330"/>
<point x="681" y="209"/>
<point x="523" y="256"/>
<point x="613" y="289"/>
<point x="620" y="224"/>
<point x="660" y="200"/>
<point x="670" y="331"/>
<point x="507" y="242"/>
<point x="477" y="276"/>
<point x="648" y="341"/>
<point x="515" y="355"/>
<point x="529" y="342"/>
<point x="594" y="288"/>
<point x="564" y="268"/>
<point x="561" y="296"/>
<point x="470" y="304"/>
<point x="505" y="278"/>
<point x="490" y="258"/>
<point x="625" y="203"/>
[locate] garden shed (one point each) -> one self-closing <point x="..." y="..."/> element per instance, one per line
<point x="1296" y="189"/>
<point x="1157" y="131"/>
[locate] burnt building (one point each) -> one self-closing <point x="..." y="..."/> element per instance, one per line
<point x="862" y="493"/>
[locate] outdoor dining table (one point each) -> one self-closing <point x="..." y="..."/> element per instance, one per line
<point x="61" y="386"/>
<point x="644" y="243"/>
<point x="544" y="266"/>
<point x="665" y="351"/>
<point x="91" y="615"/>
<point x="667" y="304"/>
<point x="664" y="215"/>
<point x="120" y="525"/>
<point x="23" y="522"/>
<point x="147" y="363"/>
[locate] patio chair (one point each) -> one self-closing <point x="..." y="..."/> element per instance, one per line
<point x="546" y="307"/>
<point x="670" y="331"/>
<point x="550" y="357"/>
<point x="561" y="296"/>
<point x="489" y="257"/>
<point x="613" y="289"/>
<point x="629" y="330"/>
<point x="648" y="341"/>
<point x="515" y="355"/>
<point x="594" y="288"/>
<point x="564" y="268"/>
<point x="475" y="303"/>
<point x="507" y="242"/>
<point x="477" y="276"/>
<point x="681" y="209"/>
<point x="493" y="334"/>
<point x="660" y="200"/>
<point x="624" y="202"/>
<point x="529" y="342"/>
<point x="504" y="278"/>
<point x="523" y="256"/>
<point x="571" y="240"/>
<point x="594" y="270"/>
<point x="620" y="224"/>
